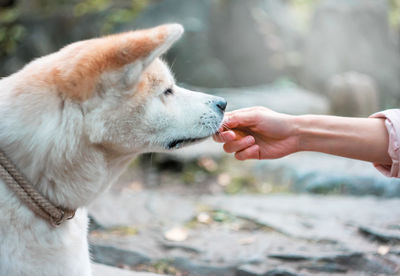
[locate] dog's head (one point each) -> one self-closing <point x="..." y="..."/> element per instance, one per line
<point x="127" y="95"/>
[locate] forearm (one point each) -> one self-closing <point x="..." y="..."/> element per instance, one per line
<point x="359" y="138"/>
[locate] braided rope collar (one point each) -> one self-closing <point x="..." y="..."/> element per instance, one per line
<point x="41" y="206"/>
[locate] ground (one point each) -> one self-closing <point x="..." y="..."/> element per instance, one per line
<point x="178" y="229"/>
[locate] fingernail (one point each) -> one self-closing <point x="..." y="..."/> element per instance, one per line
<point x="250" y="139"/>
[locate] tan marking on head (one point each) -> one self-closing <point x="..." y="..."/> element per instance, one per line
<point x="80" y="65"/>
<point x="154" y="77"/>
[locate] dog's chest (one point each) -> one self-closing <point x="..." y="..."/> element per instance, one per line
<point x="28" y="246"/>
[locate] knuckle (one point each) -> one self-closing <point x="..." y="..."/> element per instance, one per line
<point x="239" y="157"/>
<point x="227" y="148"/>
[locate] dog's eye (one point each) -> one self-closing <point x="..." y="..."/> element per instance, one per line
<point x="168" y="92"/>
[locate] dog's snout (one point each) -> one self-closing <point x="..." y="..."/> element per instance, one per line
<point x="221" y="104"/>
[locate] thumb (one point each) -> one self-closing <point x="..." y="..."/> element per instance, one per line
<point x="241" y="118"/>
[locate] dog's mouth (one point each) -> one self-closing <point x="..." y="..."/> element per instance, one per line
<point x="179" y="143"/>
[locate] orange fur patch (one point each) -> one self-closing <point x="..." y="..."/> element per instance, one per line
<point x="152" y="79"/>
<point x="82" y="63"/>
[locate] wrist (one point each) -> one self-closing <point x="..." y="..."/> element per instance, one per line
<point x="309" y="132"/>
<point x="299" y="124"/>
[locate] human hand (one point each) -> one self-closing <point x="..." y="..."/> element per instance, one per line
<point x="258" y="133"/>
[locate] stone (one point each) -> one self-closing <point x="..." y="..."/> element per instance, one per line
<point x="326" y="174"/>
<point x="192" y="57"/>
<point x="114" y="256"/>
<point x="252" y="38"/>
<point x="353" y="94"/>
<point x="288" y="234"/>
<point x="286" y="98"/>
<point x="326" y="224"/>
<point x="281" y="272"/>
<point x="326" y="268"/>
<point x="103" y="270"/>
<point x="210" y="53"/>
<point x="290" y="257"/>
<point x="203" y="268"/>
<point x="348" y="36"/>
<point x="108" y="209"/>
<point x="249" y="270"/>
<point x="391" y="236"/>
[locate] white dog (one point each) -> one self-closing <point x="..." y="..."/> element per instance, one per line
<point x="72" y="121"/>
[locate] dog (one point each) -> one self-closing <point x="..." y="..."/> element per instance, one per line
<point x="72" y="121"/>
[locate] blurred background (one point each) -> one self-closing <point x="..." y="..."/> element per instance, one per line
<point x="198" y="211"/>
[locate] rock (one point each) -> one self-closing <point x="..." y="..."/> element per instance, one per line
<point x="381" y="235"/>
<point x="326" y="174"/>
<point x="103" y="270"/>
<point x="327" y="224"/>
<point x="281" y="272"/>
<point x="352" y="260"/>
<point x="326" y="268"/>
<point x="249" y="270"/>
<point x="252" y="39"/>
<point x="210" y="53"/>
<point x="288" y="232"/>
<point x="203" y="269"/>
<point x="353" y="94"/>
<point x="287" y="99"/>
<point x="109" y="210"/>
<point x="114" y="256"/>
<point x="352" y="36"/>
<point x="290" y="257"/>
<point x="192" y="58"/>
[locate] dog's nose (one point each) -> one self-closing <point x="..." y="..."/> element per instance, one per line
<point x="221" y="104"/>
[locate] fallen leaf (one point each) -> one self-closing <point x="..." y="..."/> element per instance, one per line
<point x="204" y="218"/>
<point x="224" y="179"/>
<point x="383" y="250"/>
<point x="208" y="164"/>
<point x="247" y="240"/>
<point x="177" y="234"/>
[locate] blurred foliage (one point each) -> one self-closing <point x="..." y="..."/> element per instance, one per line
<point x="116" y="13"/>
<point x="394" y="15"/>
<point x="81" y="7"/>
<point x="162" y="266"/>
<point x="11" y="32"/>
<point x="220" y="218"/>
<point x="303" y="10"/>
<point x="113" y="12"/>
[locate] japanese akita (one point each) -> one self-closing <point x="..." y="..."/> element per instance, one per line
<point x="71" y="122"/>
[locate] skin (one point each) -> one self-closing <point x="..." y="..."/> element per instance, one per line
<point x="260" y="133"/>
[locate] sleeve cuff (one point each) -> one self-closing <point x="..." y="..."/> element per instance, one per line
<point x="392" y="123"/>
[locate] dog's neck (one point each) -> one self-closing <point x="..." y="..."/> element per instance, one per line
<point x="57" y="158"/>
<point x="69" y="180"/>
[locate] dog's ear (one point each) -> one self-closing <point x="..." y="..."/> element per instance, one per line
<point x="124" y="56"/>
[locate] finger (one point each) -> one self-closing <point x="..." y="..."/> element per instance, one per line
<point x="239" y="145"/>
<point x="224" y="137"/>
<point x="252" y="152"/>
<point x="241" y="118"/>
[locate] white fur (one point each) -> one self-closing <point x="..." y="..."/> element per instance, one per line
<point x="72" y="151"/>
